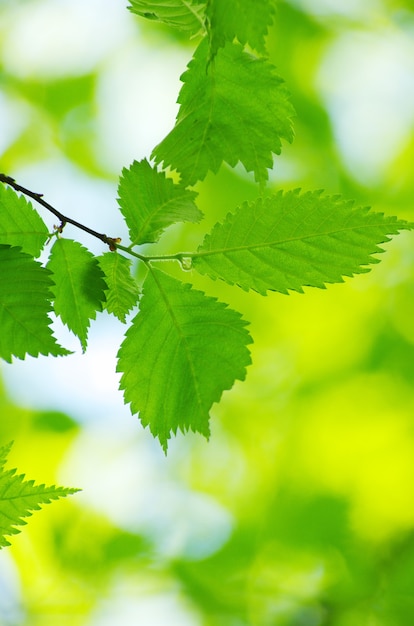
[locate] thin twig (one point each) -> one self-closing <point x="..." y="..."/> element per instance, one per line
<point x="114" y="243"/>
<point x="109" y="241"/>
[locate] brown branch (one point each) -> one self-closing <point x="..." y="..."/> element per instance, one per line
<point x="109" y="241"/>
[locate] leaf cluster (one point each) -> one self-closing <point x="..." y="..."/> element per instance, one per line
<point x="183" y="348"/>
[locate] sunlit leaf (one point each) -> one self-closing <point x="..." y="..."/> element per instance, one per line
<point x="233" y="109"/>
<point x="292" y="240"/>
<point x="79" y="288"/>
<point x="186" y="15"/>
<point x="19" y="497"/>
<point x="150" y="202"/>
<point x="181" y="352"/>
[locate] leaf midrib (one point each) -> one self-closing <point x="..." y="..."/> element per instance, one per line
<point x="180" y="333"/>
<point x="194" y="12"/>
<point x="271" y="244"/>
<point x="143" y="228"/>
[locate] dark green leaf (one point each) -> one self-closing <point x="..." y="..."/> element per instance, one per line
<point x="25" y="294"/>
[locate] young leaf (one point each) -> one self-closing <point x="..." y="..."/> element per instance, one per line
<point x="291" y="240"/>
<point x="19" y="497"/>
<point x="235" y="108"/>
<point x="25" y="294"/>
<point x="242" y="19"/>
<point x="122" y="292"/>
<point x="181" y="352"/>
<point x="150" y="202"/>
<point x="20" y="224"/>
<point x="79" y="288"/>
<point x="186" y="15"/>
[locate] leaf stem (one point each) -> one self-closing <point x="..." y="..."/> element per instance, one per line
<point x="169" y="257"/>
<point x="184" y="258"/>
<point x="129" y="250"/>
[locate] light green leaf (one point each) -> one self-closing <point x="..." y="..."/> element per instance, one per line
<point x="20" y="224"/>
<point x="4" y="451"/>
<point x="233" y="109"/>
<point x="186" y="15"/>
<point x="79" y="288"/>
<point x="19" y="497"/>
<point x="150" y="202"/>
<point x="291" y="240"/>
<point x="244" y="20"/>
<point x="25" y="294"/>
<point x="122" y="293"/>
<point x="181" y="352"/>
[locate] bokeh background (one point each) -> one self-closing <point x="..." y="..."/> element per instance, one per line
<point x="300" y="509"/>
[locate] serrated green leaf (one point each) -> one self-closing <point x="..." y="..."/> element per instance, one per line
<point x="292" y="240"/>
<point x="19" y="497"/>
<point x="25" y="295"/>
<point x="4" y="451"/>
<point x="150" y="202"/>
<point x="122" y="292"/>
<point x="20" y="224"/>
<point x="181" y="352"/>
<point x="186" y="15"/>
<point x="79" y="288"/>
<point x="233" y="109"/>
<point x="244" y="20"/>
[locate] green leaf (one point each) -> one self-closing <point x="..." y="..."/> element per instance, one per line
<point x="150" y="202"/>
<point x="291" y="240"/>
<point x="20" y="224"/>
<point x="181" y="352"/>
<point x="4" y="451"/>
<point x="244" y="20"/>
<point x="122" y="292"/>
<point x="186" y="15"/>
<point x="235" y="108"/>
<point x="19" y="497"/>
<point x="79" y="286"/>
<point x="25" y="294"/>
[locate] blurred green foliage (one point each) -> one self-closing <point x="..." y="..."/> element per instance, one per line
<point x="312" y="458"/>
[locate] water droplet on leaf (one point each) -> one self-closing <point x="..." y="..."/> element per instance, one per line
<point x="187" y="263"/>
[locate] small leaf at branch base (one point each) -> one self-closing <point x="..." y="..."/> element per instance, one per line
<point x="19" y="497"/>
<point x="235" y="108"/>
<point x="181" y="352"/>
<point x="25" y="295"/>
<point x="150" y="202"/>
<point x="79" y="286"/>
<point x="20" y="224"/>
<point x="122" y="292"/>
<point x="292" y="240"/>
